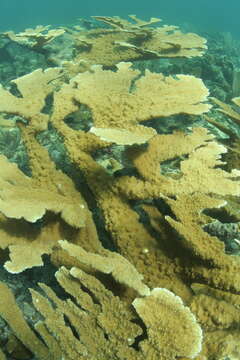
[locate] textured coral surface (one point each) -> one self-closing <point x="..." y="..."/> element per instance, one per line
<point x="141" y="272"/>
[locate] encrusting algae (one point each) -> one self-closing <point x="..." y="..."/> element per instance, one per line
<point x="169" y="291"/>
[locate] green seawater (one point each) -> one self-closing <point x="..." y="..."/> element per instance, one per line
<point x="201" y="15"/>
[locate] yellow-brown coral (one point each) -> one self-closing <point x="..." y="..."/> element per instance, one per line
<point x="137" y="40"/>
<point x="104" y="325"/>
<point x="154" y="215"/>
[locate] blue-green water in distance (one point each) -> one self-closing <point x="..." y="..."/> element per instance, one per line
<point x="208" y="15"/>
